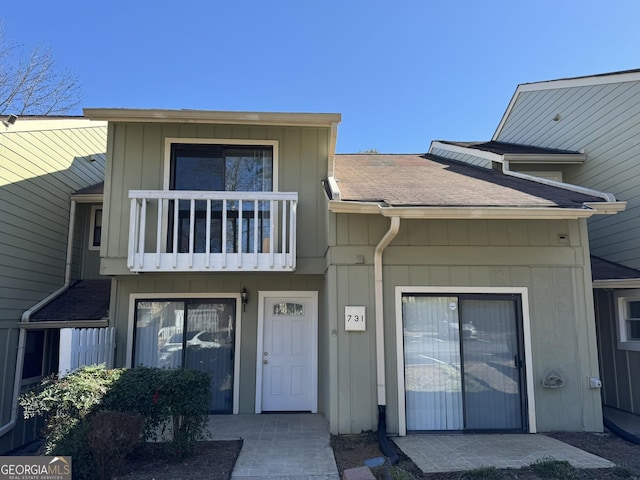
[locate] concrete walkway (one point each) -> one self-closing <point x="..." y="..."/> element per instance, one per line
<point x="451" y="453"/>
<point x="278" y="446"/>
<point x="626" y="421"/>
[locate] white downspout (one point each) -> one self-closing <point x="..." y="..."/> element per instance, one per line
<point x="17" y="381"/>
<point x="379" y="293"/>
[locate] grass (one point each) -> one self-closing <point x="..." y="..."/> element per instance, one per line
<point x="554" y="469"/>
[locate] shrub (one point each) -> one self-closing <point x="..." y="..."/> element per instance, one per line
<point x="171" y="401"/>
<point x="111" y="438"/>
<point x="177" y="399"/>
<point x="66" y="401"/>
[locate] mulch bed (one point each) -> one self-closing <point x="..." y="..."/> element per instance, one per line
<point x="212" y="460"/>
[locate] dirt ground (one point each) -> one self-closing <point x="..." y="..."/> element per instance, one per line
<point x="212" y="460"/>
<point x="351" y="450"/>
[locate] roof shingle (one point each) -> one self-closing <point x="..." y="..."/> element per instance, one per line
<point x="428" y="180"/>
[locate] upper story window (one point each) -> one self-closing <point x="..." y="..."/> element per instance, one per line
<point x="95" y="229"/>
<point x="219" y="167"/>
<point x="628" y="304"/>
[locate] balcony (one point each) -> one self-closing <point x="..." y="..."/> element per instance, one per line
<point x="203" y="231"/>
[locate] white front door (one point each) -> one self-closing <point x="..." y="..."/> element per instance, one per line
<point x="287" y="354"/>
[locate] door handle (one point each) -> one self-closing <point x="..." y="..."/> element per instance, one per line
<point x="265" y="361"/>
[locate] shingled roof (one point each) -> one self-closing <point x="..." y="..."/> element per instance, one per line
<point x="602" y="269"/>
<point x="430" y="181"/>
<point x="84" y="300"/>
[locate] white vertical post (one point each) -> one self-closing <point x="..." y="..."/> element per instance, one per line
<point x="64" y="360"/>
<point x="159" y="231"/>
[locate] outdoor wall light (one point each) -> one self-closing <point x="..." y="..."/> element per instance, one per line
<point x="244" y="295"/>
<point x="10" y="120"/>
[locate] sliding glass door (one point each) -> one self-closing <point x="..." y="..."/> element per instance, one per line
<point x="198" y="334"/>
<point x="463" y="362"/>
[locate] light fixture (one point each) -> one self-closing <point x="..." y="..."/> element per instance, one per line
<point x="10" y="120"/>
<point x="244" y="295"/>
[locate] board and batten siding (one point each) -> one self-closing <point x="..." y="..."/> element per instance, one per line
<point x="136" y="162"/>
<point x="464" y="253"/>
<point x="604" y="121"/>
<point x="171" y="285"/>
<point x="41" y="163"/>
<point x="620" y="386"/>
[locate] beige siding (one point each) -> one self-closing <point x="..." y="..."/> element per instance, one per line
<point x="479" y="253"/>
<point x="39" y="168"/>
<point x="604" y="121"/>
<point x="166" y="285"/>
<point x="137" y="162"/>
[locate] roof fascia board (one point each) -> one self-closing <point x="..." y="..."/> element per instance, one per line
<point x="217" y="117"/>
<point x="494" y="157"/>
<point x="564" y="158"/>
<point x="45" y="324"/>
<point x="563" y="83"/>
<point x="369" y="208"/>
<point x="37" y="125"/>
<point x="486" y="213"/>
<point x="617" y="283"/>
<point x="606" y="208"/>
<point x="87" y="198"/>
<point x="550" y="158"/>
<point x="469" y="213"/>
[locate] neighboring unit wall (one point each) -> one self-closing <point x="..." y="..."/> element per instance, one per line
<point x="604" y="121"/>
<point x="41" y="163"/>
<point x="461" y="253"/>
<point x="86" y="261"/>
<point x="620" y="386"/>
<point x="137" y="162"/>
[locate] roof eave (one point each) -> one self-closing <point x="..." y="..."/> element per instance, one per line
<point x="558" y="159"/>
<point x="617" y="283"/>
<point x="47" y="324"/>
<point x="470" y="213"/>
<point x="215" y="117"/>
<point x="87" y="197"/>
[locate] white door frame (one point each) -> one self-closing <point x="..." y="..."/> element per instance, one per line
<point x="262" y="296"/>
<point x="526" y="329"/>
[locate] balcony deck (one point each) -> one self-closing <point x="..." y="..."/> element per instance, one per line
<point x="198" y="231"/>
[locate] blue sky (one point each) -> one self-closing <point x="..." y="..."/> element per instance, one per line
<point x="401" y="73"/>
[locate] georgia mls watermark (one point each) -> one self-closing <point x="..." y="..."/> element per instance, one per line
<point x="35" y="468"/>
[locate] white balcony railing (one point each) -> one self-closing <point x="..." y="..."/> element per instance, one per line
<point x="179" y="231"/>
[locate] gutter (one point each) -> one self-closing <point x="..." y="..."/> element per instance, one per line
<point x="23" y="325"/>
<point x="380" y="373"/>
<point x="613" y="206"/>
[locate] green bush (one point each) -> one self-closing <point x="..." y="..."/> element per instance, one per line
<point x="172" y="403"/>
<point x="111" y="438"/>
<point x="65" y="402"/>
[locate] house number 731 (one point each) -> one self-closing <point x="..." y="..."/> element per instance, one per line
<point x="354" y="319"/>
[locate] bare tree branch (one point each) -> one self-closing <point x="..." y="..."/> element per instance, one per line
<point x="33" y="84"/>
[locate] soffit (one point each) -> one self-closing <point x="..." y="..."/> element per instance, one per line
<point x="213" y="116"/>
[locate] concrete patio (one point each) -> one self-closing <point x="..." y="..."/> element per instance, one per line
<point x="297" y="446"/>
<point x="450" y="453"/>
